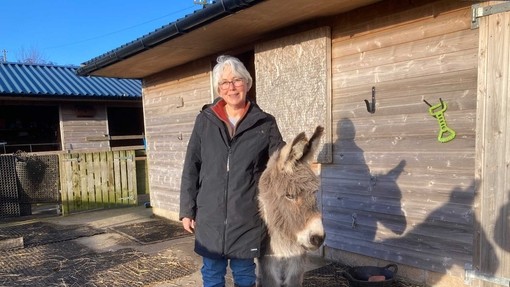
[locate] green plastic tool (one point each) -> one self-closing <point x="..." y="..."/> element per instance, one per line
<point x="446" y="134"/>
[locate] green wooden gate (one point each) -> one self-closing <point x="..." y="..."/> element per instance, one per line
<point x="97" y="180"/>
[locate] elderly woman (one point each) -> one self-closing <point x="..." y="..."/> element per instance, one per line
<point x="228" y="150"/>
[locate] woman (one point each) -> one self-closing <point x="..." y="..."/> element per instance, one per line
<point x="228" y="150"/>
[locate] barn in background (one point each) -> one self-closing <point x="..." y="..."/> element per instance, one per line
<point x="414" y="98"/>
<point x="59" y="132"/>
<point x="50" y="108"/>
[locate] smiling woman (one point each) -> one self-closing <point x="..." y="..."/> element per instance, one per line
<point x="219" y="179"/>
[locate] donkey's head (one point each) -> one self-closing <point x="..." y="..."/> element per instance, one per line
<point x="287" y="198"/>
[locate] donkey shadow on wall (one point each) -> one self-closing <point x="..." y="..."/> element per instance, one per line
<point x="502" y="226"/>
<point x="372" y="200"/>
<point x="446" y="235"/>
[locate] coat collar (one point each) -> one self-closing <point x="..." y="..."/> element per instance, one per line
<point x="251" y="115"/>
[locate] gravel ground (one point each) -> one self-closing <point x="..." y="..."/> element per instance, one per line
<point x="123" y="247"/>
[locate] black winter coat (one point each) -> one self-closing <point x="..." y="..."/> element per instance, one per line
<point x="219" y="182"/>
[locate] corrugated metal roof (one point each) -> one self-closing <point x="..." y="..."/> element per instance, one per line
<point x="17" y="79"/>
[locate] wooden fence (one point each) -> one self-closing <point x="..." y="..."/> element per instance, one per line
<point x="97" y="180"/>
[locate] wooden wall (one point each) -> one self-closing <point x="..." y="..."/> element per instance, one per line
<point x="79" y="121"/>
<point x="172" y="100"/>
<point x="493" y="148"/>
<point x="394" y="191"/>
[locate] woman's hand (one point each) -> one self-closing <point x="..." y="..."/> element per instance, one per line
<point x="188" y="224"/>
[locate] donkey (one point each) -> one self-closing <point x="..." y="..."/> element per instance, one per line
<point x="288" y="206"/>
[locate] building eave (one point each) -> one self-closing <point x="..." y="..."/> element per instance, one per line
<point x="222" y="26"/>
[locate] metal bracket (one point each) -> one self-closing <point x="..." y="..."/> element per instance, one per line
<point x="371" y="106"/>
<point x="76" y="159"/>
<point x="354" y="217"/>
<point x="129" y="157"/>
<point x="180" y="102"/>
<point x="471" y="273"/>
<point x="479" y="11"/>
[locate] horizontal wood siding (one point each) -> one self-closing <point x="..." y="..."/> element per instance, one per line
<point x="394" y="191"/>
<point x="172" y="100"/>
<point x="75" y="129"/>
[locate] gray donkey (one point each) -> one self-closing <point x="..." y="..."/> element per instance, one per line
<point x="288" y="205"/>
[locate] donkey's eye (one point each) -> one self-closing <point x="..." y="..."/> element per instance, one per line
<point x="290" y="196"/>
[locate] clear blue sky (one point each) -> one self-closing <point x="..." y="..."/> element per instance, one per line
<point x="70" y="32"/>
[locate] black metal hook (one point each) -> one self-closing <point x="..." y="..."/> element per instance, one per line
<point x="441" y="100"/>
<point x="371" y="106"/>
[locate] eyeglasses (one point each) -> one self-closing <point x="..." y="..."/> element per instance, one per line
<point x="226" y="84"/>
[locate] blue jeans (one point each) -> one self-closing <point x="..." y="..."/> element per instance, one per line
<point x="214" y="271"/>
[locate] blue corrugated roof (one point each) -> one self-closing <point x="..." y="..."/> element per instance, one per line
<point x="17" y="79"/>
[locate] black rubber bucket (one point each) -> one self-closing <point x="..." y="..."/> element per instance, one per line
<point x="359" y="276"/>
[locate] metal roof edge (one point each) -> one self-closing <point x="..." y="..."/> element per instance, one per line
<point x="41" y="65"/>
<point x="44" y="80"/>
<point x="175" y="29"/>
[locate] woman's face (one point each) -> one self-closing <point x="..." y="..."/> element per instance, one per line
<point x="232" y="89"/>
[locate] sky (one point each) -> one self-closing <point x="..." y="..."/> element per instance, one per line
<point x="71" y="32"/>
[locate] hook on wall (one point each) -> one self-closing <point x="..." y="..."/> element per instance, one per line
<point x="371" y="106"/>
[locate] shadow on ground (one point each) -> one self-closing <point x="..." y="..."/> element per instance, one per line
<point x="143" y="254"/>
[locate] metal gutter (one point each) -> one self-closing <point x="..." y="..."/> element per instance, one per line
<point x="173" y="30"/>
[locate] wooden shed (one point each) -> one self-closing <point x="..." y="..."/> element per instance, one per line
<point x="68" y="141"/>
<point x="51" y="108"/>
<point x="414" y="98"/>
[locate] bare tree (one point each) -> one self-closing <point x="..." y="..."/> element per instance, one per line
<point x="32" y="56"/>
<point x="4" y="55"/>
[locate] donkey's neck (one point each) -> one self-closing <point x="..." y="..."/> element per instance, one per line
<point x="280" y="246"/>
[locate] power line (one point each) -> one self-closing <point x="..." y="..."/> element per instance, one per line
<point x="119" y="31"/>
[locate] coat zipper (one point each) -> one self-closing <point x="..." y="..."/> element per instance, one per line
<point x="225" y="222"/>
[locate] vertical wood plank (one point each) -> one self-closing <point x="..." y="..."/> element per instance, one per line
<point x="503" y="236"/>
<point x="480" y="139"/>
<point x="83" y="200"/>
<point x="117" y="176"/>
<point x="501" y="23"/>
<point x="76" y="196"/>
<point x="132" y="185"/>
<point x="103" y="165"/>
<point x="123" y="178"/>
<point x="97" y="180"/>
<point x="65" y="181"/>
<point x="72" y="181"/>
<point x="493" y="142"/>
<point x="91" y="194"/>
<point x="111" y="178"/>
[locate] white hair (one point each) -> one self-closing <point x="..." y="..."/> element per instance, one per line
<point x="237" y="67"/>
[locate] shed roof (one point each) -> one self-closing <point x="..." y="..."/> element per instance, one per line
<point x="22" y="80"/>
<point x="219" y="27"/>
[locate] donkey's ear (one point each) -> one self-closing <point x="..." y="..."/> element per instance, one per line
<point x="293" y="152"/>
<point x="313" y="143"/>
